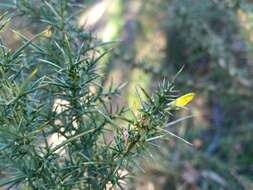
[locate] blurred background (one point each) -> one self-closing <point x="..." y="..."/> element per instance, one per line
<point x="213" y="41"/>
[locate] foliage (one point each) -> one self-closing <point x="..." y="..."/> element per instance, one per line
<point x="56" y="117"/>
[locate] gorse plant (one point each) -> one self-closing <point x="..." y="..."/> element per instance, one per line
<point x="56" y="117"/>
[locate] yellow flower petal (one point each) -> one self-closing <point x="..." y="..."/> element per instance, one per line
<point x="48" y="32"/>
<point x="135" y="105"/>
<point x="184" y="100"/>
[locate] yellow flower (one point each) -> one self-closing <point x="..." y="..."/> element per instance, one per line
<point x="182" y="101"/>
<point x="135" y="105"/>
<point x="48" y="32"/>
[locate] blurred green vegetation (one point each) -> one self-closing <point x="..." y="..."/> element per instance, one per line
<point x="213" y="42"/>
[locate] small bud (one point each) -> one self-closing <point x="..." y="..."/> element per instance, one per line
<point x="182" y="101"/>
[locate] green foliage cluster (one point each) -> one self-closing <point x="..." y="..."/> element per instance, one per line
<point x="51" y="85"/>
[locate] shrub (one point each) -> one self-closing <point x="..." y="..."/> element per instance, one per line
<point x="60" y="128"/>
